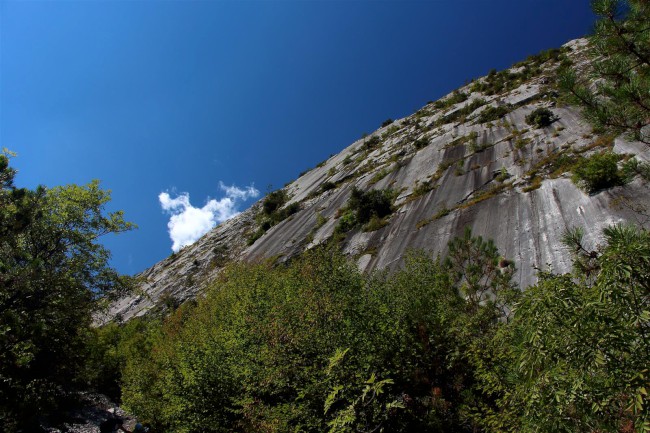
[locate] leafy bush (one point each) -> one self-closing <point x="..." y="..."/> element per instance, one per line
<point x="540" y="117"/>
<point x="375" y="202"/>
<point x="256" y="235"/>
<point x="455" y="98"/>
<point x="491" y="113"/>
<point x="274" y="201"/>
<point x="320" y="220"/>
<point x="552" y="54"/>
<point x="442" y="212"/>
<point x="374" y="224"/>
<point x="327" y="185"/>
<point x="461" y="113"/>
<point x="386" y="122"/>
<point x="390" y="131"/>
<point x="632" y="167"/>
<point x="599" y="171"/>
<point x="346" y="222"/>
<point x="368" y="209"/>
<point x="421" y="143"/>
<point x="273" y="213"/>
<point x="316" y="345"/>
<point x="379" y="175"/>
<point x="371" y="142"/>
<point x="421" y="188"/>
<point x="502" y="176"/>
<point x="498" y="82"/>
<point x="471" y="139"/>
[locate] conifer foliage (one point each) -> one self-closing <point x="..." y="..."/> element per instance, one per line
<point x="615" y="91"/>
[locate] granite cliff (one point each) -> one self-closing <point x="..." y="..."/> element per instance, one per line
<point x="471" y="159"/>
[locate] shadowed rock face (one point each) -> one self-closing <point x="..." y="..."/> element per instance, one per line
<point x="482" y="168"/>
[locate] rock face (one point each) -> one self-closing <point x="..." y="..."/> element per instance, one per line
<point x="468" y="160"/>
<point x="96" y="414"/>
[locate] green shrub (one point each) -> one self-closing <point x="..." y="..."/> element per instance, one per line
<point x="455" y="98"/>
<point x="290" y="210"/>
<point x="490" y="114"/>
<point x="54" y="277"/>
<point x="442" y="212"/>
<point x="362" y="207"/>
<point x="599" y="171"/>
<point x="421" y="188"/>
<point x="460" y="168"/>
<point x="273" y="213"/>
<point x="371" y="142"/>
<point x="374" y="224"/>
<point x="375" y="202"/>
<point x="273" y="201"/>
<point x="255" y="236"/>
<point x="632" y="167"/>
<point x="503" y="175"/>
<point x="320" y="220"/>
<point x="390" y="131"/>
<point x="386" y="122"/>
<point x="461" y="113"/>
<point x="470" y="138"/>
<point x="327" y="185"/>
<point x="379" y="175"/>
<point x="575" y="356"/>
<point x="421" y="143"/>
<point x="540" y="117"/>
<point x="346" y="222"/>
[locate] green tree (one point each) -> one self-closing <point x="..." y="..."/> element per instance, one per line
<point x="615" y="92"/>
<point x="575" y="357"/>
<point x="53" y="275"/>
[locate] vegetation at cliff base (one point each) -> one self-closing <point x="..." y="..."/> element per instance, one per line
<point x="443" y="344"/>
<point x="302" y="347"/>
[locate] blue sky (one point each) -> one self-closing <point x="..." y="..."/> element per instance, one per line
<point x="197" y="97"/>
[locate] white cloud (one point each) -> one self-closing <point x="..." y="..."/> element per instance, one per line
<point x="188" y="223"/>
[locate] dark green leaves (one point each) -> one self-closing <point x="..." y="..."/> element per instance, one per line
<point x="615" y="92"/>
<point x="53" y="275"/>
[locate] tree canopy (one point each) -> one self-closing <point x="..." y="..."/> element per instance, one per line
<point x="54" y="274"/>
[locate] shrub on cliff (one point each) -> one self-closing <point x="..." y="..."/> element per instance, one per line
<point x="371" y="203"/>
<point x="540" y="117"/>
<point x="598" y="171"/>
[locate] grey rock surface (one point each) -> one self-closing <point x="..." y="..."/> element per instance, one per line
<point x="96" y="414"/>
<point x="480" y="175"/>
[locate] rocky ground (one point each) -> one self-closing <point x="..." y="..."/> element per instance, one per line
<point x="96" y="414"/>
